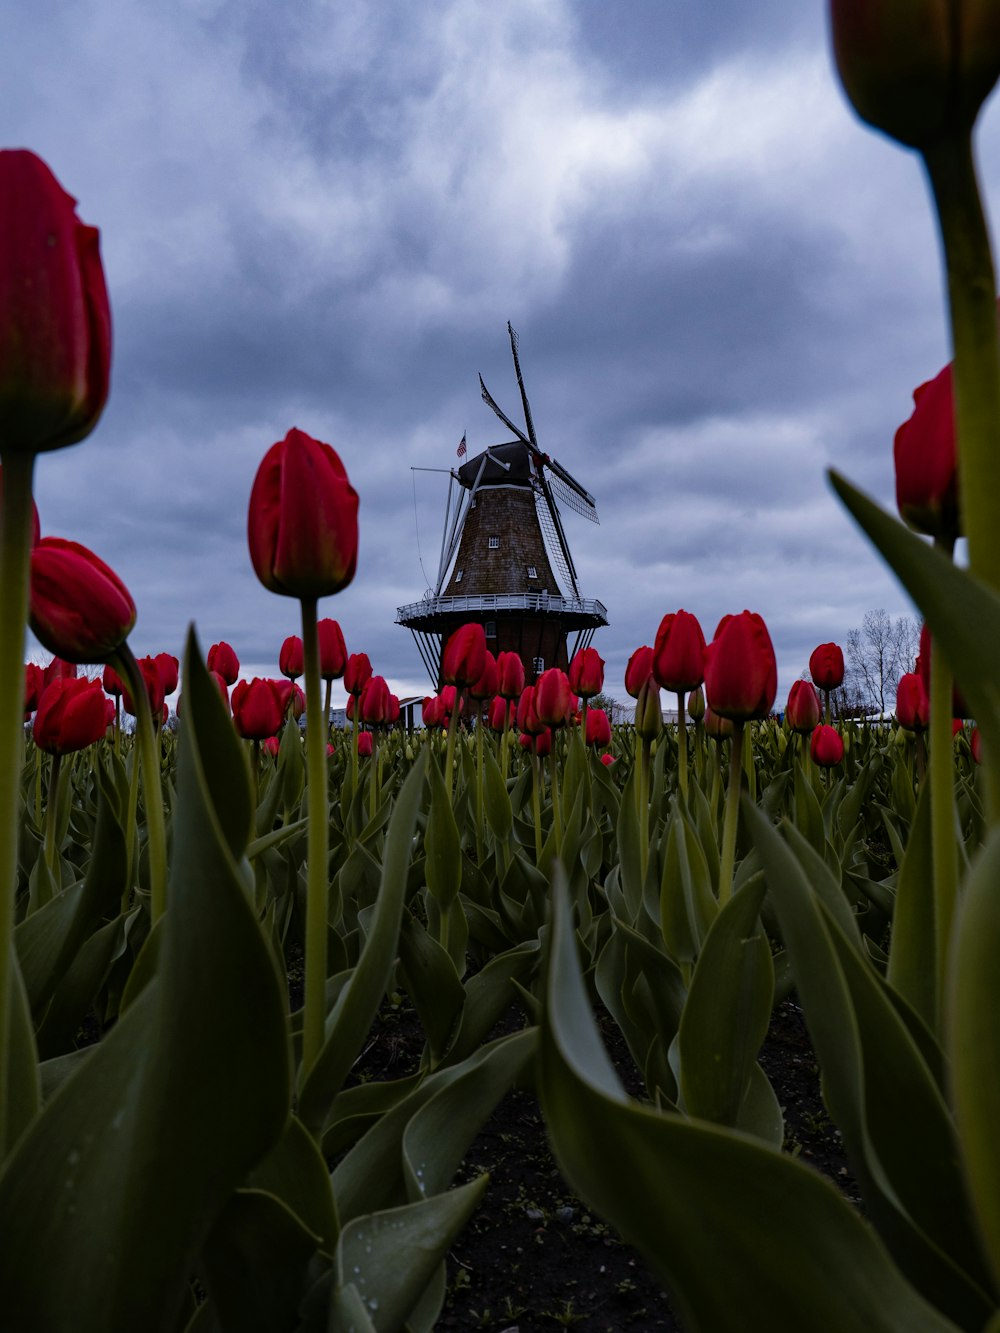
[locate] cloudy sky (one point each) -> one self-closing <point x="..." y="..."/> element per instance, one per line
<point x="323" y="214"/>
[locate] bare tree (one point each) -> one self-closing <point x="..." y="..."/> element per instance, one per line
<point x="878" y="652"/>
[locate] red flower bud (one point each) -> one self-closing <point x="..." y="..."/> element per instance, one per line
<point x="303" y="519"/>
<point x="741" y="674"/>
<point x="586" y="673"/>
<point x="80" y="608"/>
<point x="912" y="708"/>
<point x="553" y="698"/>
<point x="154" y="688"/>
<point x="290" y="658"/>
<point x="34" y="683"/>
<point x="112" y="681"/>
<point x="598" y="728"/>
<point x="927" y="463"/>
<point x="272" y="745"/>
<point x="332" y="650"/>
<point x="55" y="320"/>
<point x="72" y="714"/>
<point x="607" y="760"/>
<point x="803" y="710"/>
<point x="826" y="666"/>
<point x="450" y="700"/>
<point x="648" y="713"/>
<point x="510" y="675"/>
<point x="223" y="659"/>
<point x="357" y="673"/>
<point x="826" y="747"/>
<point x="169" y="669"/>
<point x="717" y="727"/>
<point x="365" y="744"/>
<point x="464" y="656"/>
<point x="679" y="653"/>
<point x="374" y="707"/>
<point x="527" y="717"/>
<point x="696" y="704"/>
<point x="258" y="709"/>
<point x="432" y="711"/>
<point x="502" y="711"/>
<point x="639" y="670"/>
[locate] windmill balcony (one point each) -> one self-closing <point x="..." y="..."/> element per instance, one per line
<point x="426" y="614"/>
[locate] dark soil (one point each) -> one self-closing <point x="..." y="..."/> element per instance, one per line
<point x="534" y="1257"/>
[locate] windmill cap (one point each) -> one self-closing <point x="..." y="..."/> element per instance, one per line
<point x="516" y="473"/>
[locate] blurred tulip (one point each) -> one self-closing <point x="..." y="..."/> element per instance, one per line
<point x="72" y="714"/>
<point x="464" y="656"/>
<point x="926" y="461"/>
<point x="696" y="704"/>
<point x="332" y="650"/>
<point x="586" y="673"/>
<point x="975" y="745"/>
<point x="169" y="669"/>
<point x="154" y="688"/>
<point x="912" y="706"/>
<point x="365" y="744"/>
<point x="293" y="701"/>
<point x="220" y="681"/>
<point x="553" y="698"/>
<point x="741" y="675"/>
<point x="357" y="673"/>
<point x="290" y="659"/>
<point x="36" y="529"/>
<point x="679" y="653"/>
<point x="433" y="711"/>
<point x="639" y="670"/>
<point x="55" y="319"/>
<point x="803" y="709"/>
<point x="258" y="709"/>
<point x="510" y="675"/>
<point x="607" y="760"/>
<point x="450" y="700"/>
<point x="80" y="608"/>
<point x="527" y="716"/>
<point x="503" y="712"/>
<point x="543" y="743"/>
<point x="112" y="681"/>
<point x="959" y="708"/>
<point x="272" y="745"/>
<point x="826" y="747"/>
<point x="59" y="669"/>
<point x="486" y="685"/>
<point x="223" y="659"/>
<point x="302" y="522"/>
<point x="598" y="728"/>
<point x="826" y="666"/>
<point x="34" y="683"/>
<point x="719" y="728"/>
<point x="374" y="707"/>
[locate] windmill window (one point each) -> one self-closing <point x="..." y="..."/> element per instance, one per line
<point x="538" y="665"/>
<point x="494" y="543"/>
<point x="458" y="575"/>
<point x="491" y="629"/>
<point x="532" y="572"/>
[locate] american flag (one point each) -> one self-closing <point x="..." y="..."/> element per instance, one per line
<point x="461" y="445"/>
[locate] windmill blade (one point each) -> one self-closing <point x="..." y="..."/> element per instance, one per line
<point x="489" y="400"/>
<point x="559" y="471"/>
<point x="520" y="384"/>
<point x="580" y="504"/>
<point x="563" y="557"/>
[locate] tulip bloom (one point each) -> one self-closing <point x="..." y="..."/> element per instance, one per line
<point x="57" y="669"/>
<point x="553" y="698"/>
<point x="826" y="666"/>
<point x="959" y="708"/>
<point x="55" y="319"/>
<point x="357" y="673"/>
<point x="258" y="709"/>
<point x="365" y="744"/>
<point x="679" y="653"/>
<point x="926" y="461"/>
<point x="112" y="681"/>
<point x="154" y="688"/>
<point x="302" y="523"/>
<point x="72" y="714"/>
<point x="80" y="608"/>
<point x="527" y="716"/>
<point x="719" y="728"/>
<point x="502" y="713"/>
<point x="464" y="658"/>
<point x="486" y="686"/>
<point x="169" y="669"/>
<point x="741" y="674"/>
<point x="912" y="707"/>
<point x="598" y="728"/>
<point x="223" y="659"/>
<point x="290" y="658"/>
<point x="332" y="650"/>
<point x="803" y="709"/>
<point x="272" y="745"/>
<point x="432" y="711"/>
<point x="826" y="747"/>
<point x="586" y="673"/>
<point x="607" y="760"/>
<point x="510" y="675"/>
<point x="374" y="707"/>
<point x="639" y="670"/>
<point x="34" y="683"/>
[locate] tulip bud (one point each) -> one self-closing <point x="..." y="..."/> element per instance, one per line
<point x="272" y="745"/>
<point x="80" y="608"/>
<point x="926" y="461"/>
<point x="553" y="698"/>
<point x="303" y="519"/>
<point x="826" y="747"/>
<point x="258" y="708"/>
<point x="72" y="714"/>
<point x="527" y="716"/>
<point x="223" y="659"/>
<point x="510" y="675"/>
<point x="803" y="710"/>
<point x="169" y="669"/>
<point x="486" y="686"/>
<point x="826" y="666"/>
<point x="501" y="712"/>
<point x="290" y="658"/>
<point x="374" y="707"/>
<point x="648" y="713"/>
<point x="464" y="657"/>
<point x="586" y="673"/>
<point x="696" y="704"/>
<point x="598" y="728"/>
<point x="741" y="674"/>
<point x="917" y="69"/>
<point x="607" y="760"/>
<point x="357" y="673"/>
<point x="679" y="653"/>
<point x="719" y="728"/>
<point x="332" y="650"/>
<point x="432" y="711"/>
<point x="912" y="707"/>
<point x="154" y="688"/>
<point x="55" y="320"/>
<point x="639" y="670"/>
<point x="365" y="744"/>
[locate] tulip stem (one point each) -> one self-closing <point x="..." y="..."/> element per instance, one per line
<point x="480" y="831"/>
<point x="942" y="781"/>
<point x="536" y="803"/>
<point x="554" y="784"/>
<point x="449" y="759"/>
<point x="642" y="805"/>
<point x="317" y="847"/>
<point x="52" y="818"/>
<point x="15" y="566"/>
<point x="682" y="753"/>
<point x="145" y="739"/>
<point x="732" y="815"/>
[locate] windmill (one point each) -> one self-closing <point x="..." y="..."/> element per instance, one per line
<point x="505" y="561"/>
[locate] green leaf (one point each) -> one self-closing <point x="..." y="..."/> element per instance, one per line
<point x="442" y="843"/>
<point x="433" y="984"/>
<point x="496" y="799"/>
<point x="692" y="1197"/>
<point x="913" y="956"/>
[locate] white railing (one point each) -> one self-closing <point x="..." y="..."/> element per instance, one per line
<point x="537" y="602"/>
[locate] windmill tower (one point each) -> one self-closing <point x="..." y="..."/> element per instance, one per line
<point x="505" y="561"/>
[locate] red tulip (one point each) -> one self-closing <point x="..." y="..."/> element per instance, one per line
<point x="72" y="714"/>
<point x="912" y="707"/>
<point x="639" y="670"/>
<point x="258" y="709"/>
<point x="486" y="686"/>
<point x="918" y="71"/>
<point x="803" y="710"/>
<point x="975" y="744"/>
<point x="586" y="673"/>
<point x="527" y="717"/>
<point x="598" y="728"/>
<point x="223" y="659"/>
<point x="112" y="681"/>
<point x="169" y="669"/>
<point x="293" y="701"/>
<point x="34" y="683"/>
<point x="607" y="760"/>
<point x="826" y="666"/>
<point x="59" y="669"/>
<point x="826" y="747"/>
<point x="55" y="320"/>
<point x="464" y="657"/>
<point x="543" y="743"/>
<point x="221" y="682"/>
<point x="154" y="688"/>
<point x="510" y="675"/>
<point x="719" y="728"/>
<point x="290" y="658"/>
<point x="927" y="463"/>
<point x="502" y="712"/>
<point x="679" y="653"/>
<point x="553" y="698"/>
<point x="303" y="519"/>
<point x="374" y="706"/>
<point x="365" y="744"/>
<point x="357" y="673"/>
<point x="332" y="650"/>
<point x="959" y="708"/>
<point x="80" y="608"/>
<point x="432" y="711"/>
<point x="272" y="745"/>
<point x="741" y="675"/>
<point x="450" y="700"/>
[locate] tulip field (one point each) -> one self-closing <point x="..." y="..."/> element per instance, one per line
<point x="203" y="926"/>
